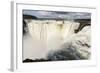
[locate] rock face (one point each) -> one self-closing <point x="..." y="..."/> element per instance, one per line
<point x="25" y="23"/>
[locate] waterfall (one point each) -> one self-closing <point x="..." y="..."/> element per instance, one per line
<point x="46" y="35"/>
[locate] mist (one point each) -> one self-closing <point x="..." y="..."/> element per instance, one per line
<point x="46" y="38"/>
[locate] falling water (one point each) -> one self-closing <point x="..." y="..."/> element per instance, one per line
<point x="49" y="35"/>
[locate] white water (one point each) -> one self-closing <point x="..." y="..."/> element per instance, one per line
<point x="43" y="37"/>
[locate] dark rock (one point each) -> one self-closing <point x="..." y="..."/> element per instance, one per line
<point x="36" y="60"/>
<point x="25" y="26"/>
<point x="28" y="60"/>
<point x="83" y="23"/>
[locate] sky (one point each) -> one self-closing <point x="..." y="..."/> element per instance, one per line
<point x="58" y="14"/>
